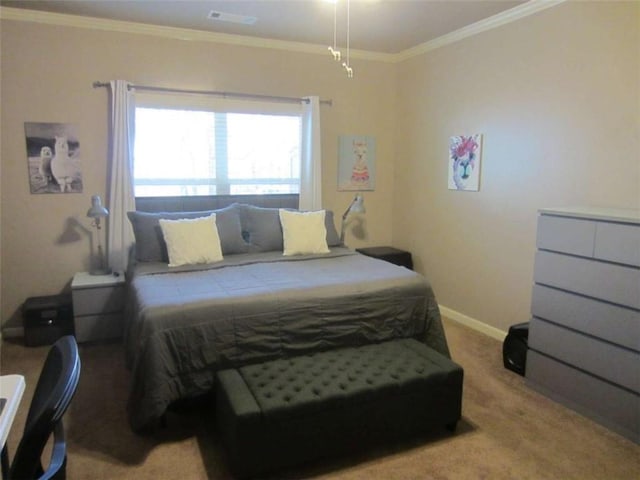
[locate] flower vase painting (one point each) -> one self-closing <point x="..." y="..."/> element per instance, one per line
<point x="464" y="162"/>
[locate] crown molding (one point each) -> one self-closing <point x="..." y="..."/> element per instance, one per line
<point x="185" y="34"/>
<point x="502" y="18"/>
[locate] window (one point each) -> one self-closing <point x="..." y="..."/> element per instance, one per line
<point x="182" y="149"/>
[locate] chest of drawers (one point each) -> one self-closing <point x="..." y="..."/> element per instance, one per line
<point x="584" y="335"/>
<point x="98" y="301"/>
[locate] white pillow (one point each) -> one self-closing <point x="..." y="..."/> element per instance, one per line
<point x="303" y="232"/>
<point x="191" y="240"/>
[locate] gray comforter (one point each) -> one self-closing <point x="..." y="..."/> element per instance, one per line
<point x="184" y="323"/>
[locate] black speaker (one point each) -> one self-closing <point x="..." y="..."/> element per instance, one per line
<point x="514" y="348"/>
<point x="46" y="319"/>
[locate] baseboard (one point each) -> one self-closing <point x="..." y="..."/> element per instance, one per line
<point x="477" y="325"/>
<point x="12" y="332"/>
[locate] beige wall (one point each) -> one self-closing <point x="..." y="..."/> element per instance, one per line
<point x="556" y="96"/>
<point x="47" y="75"/>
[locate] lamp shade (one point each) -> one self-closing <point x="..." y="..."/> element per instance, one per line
<point x="97" y="210"/>
<point x="358" y="205"/>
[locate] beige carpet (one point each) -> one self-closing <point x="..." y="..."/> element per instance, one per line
<point x="507" y="432"/>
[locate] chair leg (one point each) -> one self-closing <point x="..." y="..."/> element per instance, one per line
<point x="5" y="462"/>
<point x="62" y="473"/>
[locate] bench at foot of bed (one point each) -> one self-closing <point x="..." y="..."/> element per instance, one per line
<point x="284" y="412"/>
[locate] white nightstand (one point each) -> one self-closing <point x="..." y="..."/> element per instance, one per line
<point x="98" y="302"/>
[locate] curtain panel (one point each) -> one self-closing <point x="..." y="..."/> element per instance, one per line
<point x="311" y="167"/>
<point x="120" y="176"/>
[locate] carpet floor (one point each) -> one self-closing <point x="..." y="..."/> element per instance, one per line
<point x="508" y="431"/>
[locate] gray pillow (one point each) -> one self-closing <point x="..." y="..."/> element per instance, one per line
<point x="261" y="228"/>
<point x="333" y="239"/>
<point x="150" y="245"/>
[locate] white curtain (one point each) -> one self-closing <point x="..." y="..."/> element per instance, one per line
<point x="311" y="168"/>
<point x="121" y="197"/>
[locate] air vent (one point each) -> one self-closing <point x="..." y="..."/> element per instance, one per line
<point x="231" y="17"/>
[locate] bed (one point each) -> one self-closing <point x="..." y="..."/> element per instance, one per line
<point x="183" y="323"/>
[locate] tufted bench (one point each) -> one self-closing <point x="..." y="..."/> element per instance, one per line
<point x="283" y="412"/>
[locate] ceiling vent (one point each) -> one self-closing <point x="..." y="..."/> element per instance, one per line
<point x="231" y="17"/>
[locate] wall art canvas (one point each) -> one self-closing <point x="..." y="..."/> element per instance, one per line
<point x="465" y="152"/>
<point x="53" y="158"/>
<point x="356" y="162"/>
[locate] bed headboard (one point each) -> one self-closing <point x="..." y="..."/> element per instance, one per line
<point x="213" y="202"/>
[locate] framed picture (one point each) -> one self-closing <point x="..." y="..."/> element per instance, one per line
<point x="465" y="154"/>
<point x="53" y="158"/>
<point x="356" y="162"/>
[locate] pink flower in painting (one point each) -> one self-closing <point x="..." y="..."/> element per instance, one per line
<point x="466" y="146"/>
<point x="463" y="153"/>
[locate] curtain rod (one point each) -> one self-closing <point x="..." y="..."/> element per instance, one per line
<point x="249" y="96"/>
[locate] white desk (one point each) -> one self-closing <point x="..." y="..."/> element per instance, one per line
<point x="11" y="389"/>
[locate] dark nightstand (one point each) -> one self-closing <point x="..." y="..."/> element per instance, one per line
<point x="389" y="254"/>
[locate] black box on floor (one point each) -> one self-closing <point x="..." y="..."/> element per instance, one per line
<point x="46" y="319"/>
<point x="389" y="254"/>
<point x="514" y="348"/>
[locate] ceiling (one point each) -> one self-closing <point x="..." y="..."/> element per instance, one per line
<point x="384" y="26"/>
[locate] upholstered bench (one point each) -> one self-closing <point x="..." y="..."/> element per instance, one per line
<point x="284" y="412"/>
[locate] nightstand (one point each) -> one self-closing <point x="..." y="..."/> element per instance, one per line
<point x="98" y="303"/>
<point x="389" y="254"/>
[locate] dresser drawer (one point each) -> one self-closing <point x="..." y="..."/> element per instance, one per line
<point x="602" y="280"/>
<point x="88" y="301"/>
<point x="90" y="328"/>
<point x="615" y="407"/>
<point x="618" y="242"/>
<point x="612" y="323"/>
<point x="594" y="356"/>
<point x="568" y="235"/>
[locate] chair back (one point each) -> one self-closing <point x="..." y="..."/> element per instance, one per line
<point x="55" y="388"/>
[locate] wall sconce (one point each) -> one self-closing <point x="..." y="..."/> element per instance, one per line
<point x="356" y="206"/>
<point x="96" y="212"/>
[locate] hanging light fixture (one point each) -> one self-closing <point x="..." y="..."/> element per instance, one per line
<point x="335" y="53"/>
<point x="334" y="50"/>
<point x="347" y="64"/>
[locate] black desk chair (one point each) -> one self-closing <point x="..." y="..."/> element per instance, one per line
<point x="55" y="389"/>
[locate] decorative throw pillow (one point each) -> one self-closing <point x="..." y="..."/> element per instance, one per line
<point x="303" y="232"/>
<point x="333" y="239"/>
<point x="262" y="227"/>
<point x="192" y="240"/>
<point x="150" y="244"/>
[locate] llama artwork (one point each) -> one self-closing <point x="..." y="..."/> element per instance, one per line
<point x="45" y="164"/>
<point x="356" y="163"/>
<point x="64" y="169"/>
<point x="360" y="170"/>
<point x="53" y="157"/>
<point x="464" y="162"/>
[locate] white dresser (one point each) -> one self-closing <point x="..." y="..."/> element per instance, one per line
<point x="584" y="335"/>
